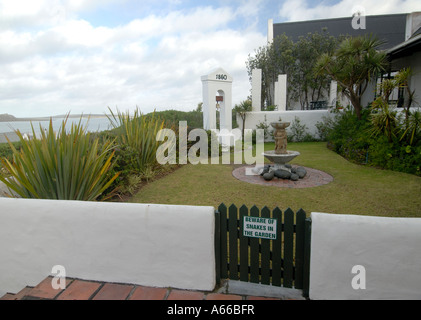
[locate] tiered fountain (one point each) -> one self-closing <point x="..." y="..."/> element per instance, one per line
<point x="281" y="156"/>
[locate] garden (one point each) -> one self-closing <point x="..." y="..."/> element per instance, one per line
<point x="373" y="154"/>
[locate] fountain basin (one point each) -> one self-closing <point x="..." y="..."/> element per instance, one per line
<point x="280" y="125"/>
<point x="280" y="160"/>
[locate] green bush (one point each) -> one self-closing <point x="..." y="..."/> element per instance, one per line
<point x="357" y="141"/>
<point x="66" y="166"/>
<point x="7" y="152"/>
<point x="298" y="132"/>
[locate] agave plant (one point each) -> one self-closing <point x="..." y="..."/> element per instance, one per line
<point x="141" y="134"/>
<point x="64" y="166"/>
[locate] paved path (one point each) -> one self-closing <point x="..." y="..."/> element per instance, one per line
<point x="77" y="289"/>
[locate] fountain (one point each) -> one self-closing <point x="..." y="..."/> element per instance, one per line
<point x="281" y="156"/>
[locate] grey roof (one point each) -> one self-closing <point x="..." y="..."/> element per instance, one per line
<point x="390" y="28"/>
<point x="406" y="48"/>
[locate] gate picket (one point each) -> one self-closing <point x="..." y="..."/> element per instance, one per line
<point x="244" y="247"/>
<point x="233" y="244"/>
<point x="265" y="263"/>
<point x="277" y="251"/>
<point x="288" y="248"/>
<point x="254" y="252"/>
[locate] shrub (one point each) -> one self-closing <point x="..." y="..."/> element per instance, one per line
<point x="137" y="139"/>
<point x="298" y="132"/>
<point x="66" y="166"/>
<point x="268" y="132"/>
<point x="367" y="142"/>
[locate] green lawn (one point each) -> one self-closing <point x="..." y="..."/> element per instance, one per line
<point x="355" y="190"/>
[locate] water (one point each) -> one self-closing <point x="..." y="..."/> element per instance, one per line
<point x="92" y="125"/>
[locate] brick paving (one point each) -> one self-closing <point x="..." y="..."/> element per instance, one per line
<point x="313" y="178"/>
<point x="77" y="289"/>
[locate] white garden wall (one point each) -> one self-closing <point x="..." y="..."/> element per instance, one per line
<point x="146" y="244"/>
<point x="388" y="249"/>
<point x="307" y="117"/>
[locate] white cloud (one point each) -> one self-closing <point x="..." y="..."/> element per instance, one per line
<point x="153" y="61"/>
<point x="301" y="10"/>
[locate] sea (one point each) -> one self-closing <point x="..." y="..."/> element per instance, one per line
<point x="93" y="124"/>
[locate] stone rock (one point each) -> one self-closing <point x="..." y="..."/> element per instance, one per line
<point x="265" y="170"/>
<point x="287" y="165"/>
<point x="294" y="177"/>
<point x="301" y="172"/>
<point x="257" y="169"/>
<point x="282" y="174"/>
<point x="269" y="176"/>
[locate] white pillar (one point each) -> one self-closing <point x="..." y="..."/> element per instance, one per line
<point x="276" y="100"/>
<point x="256" y="90"/>
<point x="218" y="81"/>
<point x="282" y="88"/>
<point x="333" y="93"/>
<point x="270" y="31"/>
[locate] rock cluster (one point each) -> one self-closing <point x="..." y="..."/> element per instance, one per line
<point x="288" y="172"/>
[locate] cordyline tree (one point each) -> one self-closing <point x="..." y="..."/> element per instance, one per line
<point x="353" y="65"/>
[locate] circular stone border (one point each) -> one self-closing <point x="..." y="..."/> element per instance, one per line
<point x="313" y="178"/>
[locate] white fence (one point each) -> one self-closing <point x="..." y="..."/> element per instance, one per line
<point x="309" y="118"/>
<point x="154" y="245"/>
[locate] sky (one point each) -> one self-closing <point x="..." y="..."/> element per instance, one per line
<point x="83" y="56"/>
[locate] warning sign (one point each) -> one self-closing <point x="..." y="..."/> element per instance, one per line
<point x="264" y="228"/>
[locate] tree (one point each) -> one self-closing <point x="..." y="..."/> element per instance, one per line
<point x="306" y="86"/>
<point x="274" y="59"/>
<point x="353" y="65"/>
<point x="296" y="59"/>
<point x="242" y="109"/>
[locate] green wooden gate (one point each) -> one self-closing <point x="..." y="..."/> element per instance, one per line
<point x="283" y="261"/>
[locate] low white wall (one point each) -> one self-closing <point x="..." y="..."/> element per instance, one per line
<point x="146" y="244"/>
<point x="307" y="117"/>
<point x="387" y="248"/>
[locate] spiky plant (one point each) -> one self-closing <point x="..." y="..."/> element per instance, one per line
<point x="141" y="134"/>
<point x="67" y="165"/>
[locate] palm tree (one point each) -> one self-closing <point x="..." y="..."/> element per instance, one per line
<point x="242" y="109"/>
<point x="353" y="65"/>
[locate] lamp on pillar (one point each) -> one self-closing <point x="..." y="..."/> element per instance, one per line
<point x="219" y="99"/>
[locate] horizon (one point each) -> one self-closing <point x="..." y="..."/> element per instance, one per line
<point x="84" y="57"/>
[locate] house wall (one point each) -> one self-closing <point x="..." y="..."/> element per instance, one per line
<point x="415" y="84"/>
<point x="387" y="248"/>
<point x="145" y="244"/>
<point x="414" y="62"/>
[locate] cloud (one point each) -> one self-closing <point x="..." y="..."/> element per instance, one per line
<point x="301" y="10"/>
<point x="156" y="61"/>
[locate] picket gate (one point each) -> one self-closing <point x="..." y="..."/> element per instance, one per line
<point x="282" y="262"/>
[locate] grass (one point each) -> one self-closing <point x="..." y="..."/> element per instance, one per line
<point x="355" y="190"/>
